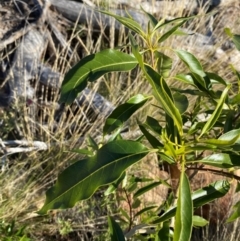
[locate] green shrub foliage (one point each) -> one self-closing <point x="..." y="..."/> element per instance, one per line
<point x="180" y="138"/>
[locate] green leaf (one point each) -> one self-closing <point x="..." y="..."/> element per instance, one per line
<point x="152" y="19"/>
<point x="145" y="210"/>
<point x="199" y="221"/>
<point x="236" y="214"/>
<point x="217" y="112"/>
<point x="155" y="143"/>
<point x="83" y="151"/>
<point x="236" y="41"/>
<point x="170" y="32"/>
<point x="184" y="213"/>
<point x="228" y="32"/>
<point x="164" y="64"/>
<point x="91" y="68"/>
<point x="221" y="160"/>
<point x="200" y="197"/>
<point x="235" y="100"/>
<point x="146" y="188"/>
<point x="116" y="232"/>
<point x="216" y="78"/>
<point x="92" y="143"/>
<point x="153" y="125"/>
<point x="163" y="94"/>
<point x="128" y="22"/>
<point x="181" y="102"/>
<point x="136" y="203"/>
<point x="163" y="233"/>
<point x="230" y="136"/>
<point x="191" y="62"/>
<point x="161" y="89"/>
<point x="168" y="22"/>
<point x="123" y="112"/>
<point x="80" y="180"/>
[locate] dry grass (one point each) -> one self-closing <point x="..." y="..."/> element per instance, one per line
<point x="27" y="176"/>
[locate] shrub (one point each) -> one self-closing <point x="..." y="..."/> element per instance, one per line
<point x="188" y="136"/>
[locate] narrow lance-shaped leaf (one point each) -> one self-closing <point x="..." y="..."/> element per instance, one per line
<point x="170" y="32"/>
<point x="236" y="214"/>
<point x="221" y="160"/>
<point x="184" y="213"/>
<point x="199" y="221"/>
<point x="217" y="112"/>
<point x="161" y="89"/>
<point x="116" y="232"/>
<point x="91" y="68"/>
<point x="199" y="76"/>
<point x="152" y="19"/>
<point x="200" y="197"/>
<point x="153" y="125"/>
<point x="123" y="112"/>
<point x="146" y="188"/>
<point x="191" y="61"/>
<point x="163" y="234"/>
<point x="128" y="22"/>
<point x="80" y="180"/>
<point x="181" y="102"/>
<point x="234" y="37"/>
<point x="155" y="143"/>
<point x="164" y="64"/>
<point x="168" y="22"/>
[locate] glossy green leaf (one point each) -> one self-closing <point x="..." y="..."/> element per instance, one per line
<point x="235" y="99"/>
<point x="155" y="143"/>
<point x="152" y="19"/>
<point x="116" y="232"/>
<point x="83" y="152"/>
<point x="170" y="32"/>
<point x="168" y="22"/>
<point x="208" y="194"/>
<point x="80" y="180"/>
<point x="185" y="78"/>
<point x="128" y="22"/>
<point x="164" y="64"/>
<point x="184" y="212"/>
<point x="199" y="221"/>
<point x="181" y="102"/>
<point x="146" y="188"/>
<point x="91" y="68"/>
<point x="200" y="197"/>
<point x="160" y="88"/>
<point x="153" y="125"/>
<point x="123" y="112"/>
<point x="113" y="186"/>
<point x="191" y="62"/>
<point x="144" y="210"/>
<point x="167" y="158"/>
<point x="201" y="80"/>
<point x="236" y="41"/>
<point x="225" y="140"/>
<point x="217" y="112"/>
<point x="221" y="160"/>
<point x="163" y="234"/>
<point x="235" y="37"/>
<point x="163" y="94"/>
<point x="216" y="78"/>
<point x="236" y="214"/>
<point x="231" y="136"/>
<point x="92" y="143"/>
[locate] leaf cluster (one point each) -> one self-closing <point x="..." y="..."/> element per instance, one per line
<point x="193" y="135"/>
